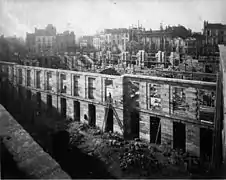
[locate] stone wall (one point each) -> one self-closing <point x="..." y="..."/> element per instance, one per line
<point x="189" y="116"/>
<point x="122" y="102"/>
<point x="29" y="156"/>
<point x="223" y="70"/>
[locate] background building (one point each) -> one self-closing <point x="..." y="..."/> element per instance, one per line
<point x="45" y="40"/>
<point x="30" y="42"/>
<point x="65" y="41"/>
<point x="215" y="33"/>
<point x="86" y="41"/>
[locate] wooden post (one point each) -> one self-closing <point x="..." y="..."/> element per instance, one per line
<point x="158" y="132"/>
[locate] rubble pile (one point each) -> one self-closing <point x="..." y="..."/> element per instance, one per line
<point x="137" y="156"/>
<point x="132" y="156"/>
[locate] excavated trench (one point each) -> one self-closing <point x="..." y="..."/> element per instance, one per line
<point x="71" y="159"/>
<point x="74" y="161"/>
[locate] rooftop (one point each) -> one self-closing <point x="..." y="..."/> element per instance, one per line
<point x="43" y="32"/>
<point x="115" y="31"/>
<point x="216" y="26"/>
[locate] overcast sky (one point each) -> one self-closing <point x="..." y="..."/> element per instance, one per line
<point x="87" y="16"/>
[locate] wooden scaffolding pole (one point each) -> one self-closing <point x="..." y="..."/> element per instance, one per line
<point x="156" y="139"/>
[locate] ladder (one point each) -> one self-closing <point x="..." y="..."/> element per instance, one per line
<point x="109" y="105"/>
<point x="156" y="138"/>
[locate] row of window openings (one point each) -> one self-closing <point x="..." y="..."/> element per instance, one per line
<point x="153" y="96"/>
<point x="91" y="87"/>
<point x="178" y="98"/>
<point x="63" y="87"/>
<point x="44" y="39"/>
<point x="210" y="33"/>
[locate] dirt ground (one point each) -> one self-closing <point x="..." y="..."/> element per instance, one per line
<point x="128" y="159"/>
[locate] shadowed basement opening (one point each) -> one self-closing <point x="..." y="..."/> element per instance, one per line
<point x="92" y="115"/>
<point x="73" y="161"/>
<point x="179" y="136"/>
<point x="110" y="120"/>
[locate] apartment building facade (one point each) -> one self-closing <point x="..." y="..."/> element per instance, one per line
<point x="65" y="41"/>
<point x="46" y="41"/>
<point x="215" y="33"/>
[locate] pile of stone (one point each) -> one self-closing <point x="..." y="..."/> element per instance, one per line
<point x="141" y="157"/>
<point x="137" y="156"/>
<point x="83" y="127"/>
<point x="112" y="136"/>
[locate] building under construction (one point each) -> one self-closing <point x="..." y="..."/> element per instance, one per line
<point x="179" y="113"/>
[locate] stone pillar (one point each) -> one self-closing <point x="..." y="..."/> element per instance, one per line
<point x="143" y="92"/>
<point x="54" y="82"/>
<point x="42" y="79"/>
<point x="68" y="83"/>
<point x="167" y="131"/>
<point x="100" y="115"/>
<point x="165" y="98"/>
<point x="44" y="101"/>
<point x="70" y="108"/>
<point x="191" y="100"/>
<point x="82" y="86"/>
<point x="84" y="111"/>
<point x="145" y="126"/>
<point x="118" y="92"/>
<point x="55" y="105"/>
<point x="193" y="139"/>
<point x="97" y="92"/>
<point x="24" y="76"/>
<point x="32" y="78"/>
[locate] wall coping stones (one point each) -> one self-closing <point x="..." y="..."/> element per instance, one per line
<point x="29" y="156"/>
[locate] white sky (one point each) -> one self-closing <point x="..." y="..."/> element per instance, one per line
<point x="87" y="16"/>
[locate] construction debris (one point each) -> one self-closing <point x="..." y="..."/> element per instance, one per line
<point x="131" y="157"/>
